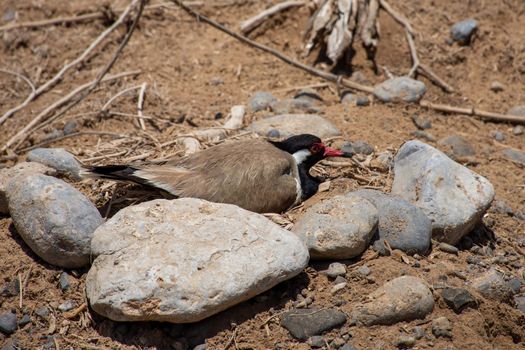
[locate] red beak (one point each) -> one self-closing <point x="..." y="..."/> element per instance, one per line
<point x="330" y="152"/>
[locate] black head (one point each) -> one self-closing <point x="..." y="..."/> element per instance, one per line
<point x="308" y="149"/>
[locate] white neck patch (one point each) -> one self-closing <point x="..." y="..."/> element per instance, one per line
<point x="301" y="155"/>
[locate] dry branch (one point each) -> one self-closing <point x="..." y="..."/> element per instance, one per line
<point x="255" y="21"/>
<point x="55" y="79"/>
<point x="22" y="134"/>
<point x="140" y="105"/>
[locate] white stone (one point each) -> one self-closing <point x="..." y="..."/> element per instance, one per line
<point x="186" y="259"/>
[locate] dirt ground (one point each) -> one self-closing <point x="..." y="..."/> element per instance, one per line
<point x="193" y="72"/>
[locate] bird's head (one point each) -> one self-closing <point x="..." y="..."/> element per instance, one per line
<point x="308" y="149"/>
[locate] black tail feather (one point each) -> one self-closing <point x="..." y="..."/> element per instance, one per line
<point x="113" y="172"/>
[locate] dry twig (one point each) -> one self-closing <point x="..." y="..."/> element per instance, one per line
<point x="140" y="105"/>
<point x="255" y="21"/>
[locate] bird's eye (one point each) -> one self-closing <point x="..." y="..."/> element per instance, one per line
<point x="315" y="148"/>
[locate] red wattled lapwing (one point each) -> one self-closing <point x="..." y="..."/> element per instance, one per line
<point x="257" y="175"/>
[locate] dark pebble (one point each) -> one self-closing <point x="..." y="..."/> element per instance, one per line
<point x="362" y="101"/>
<point x="70" y="127"/>
<point x="421" y="122"/>
<point x="10" y="289"/>
<point x="498" y="136"/>
<point x="42" y="312"/>
<point x="304" y="323"/>
<point x="63" y="282"/>
<point x="463" y="31"/>
<point x="8" y="323"/>
<point x="458" y="299"/>
<point x="24" y="320"/>
<point x="316" y="341"/>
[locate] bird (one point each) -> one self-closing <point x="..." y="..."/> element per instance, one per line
<point x="258" y="175"/>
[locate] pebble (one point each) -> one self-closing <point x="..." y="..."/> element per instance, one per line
<point x="11" y="288"/>
<point x="70" y="127"/>
<point x="347" y="97"/>
<point x="447" y="248"/>
<point x="498" y="136"/>
<point x="403" y="225"/>
<point x="514" y="155"/>
<point x="418" y="332"/>
<point x="364" y="270"/>
<point x="517" y="110"/>
<point x="405" y="298"/>
<point x="8" y="323"/>
<point x="400" y="89"/>
<point x="304" y="323"/>
<point x="348" y="346"/>
<point x="215" y="81"/>
<point x="405" y="341"/>
<point x="335" y="269"/>
<point x="492" y="285"/>
<point x="452" y="196"/>
<point x="517" y="130"/>
<point x="56" y="158"/>
<point x="519" y="301"/>
<point x="441" y="327"/>
<point x="317" y="341"/>
<point x="186" y="259"/>
<point x="42" y="311"/>
<point x="63" y="282"/>
<point x="457" y="146"/>
<point x="293" y="106"/>
<point x="9" y="15"/>
<point x="261" y="100"/>
<point x="421" y="134"/>
<point x="358" y="147"/>
<point x="420" y="122"/>
<point x="67" y="306"/>
<point x="496" y="86"/>
<point x="462" y="32"/>
<point x="53" y="218"/>
<point x="362" y="101"/>
<point x="23" y="168"/>
<point x="340" y="227"/>
<point x="24" y="320"/>
<point x="458" y="299"/>
<point x="295" y="124"/>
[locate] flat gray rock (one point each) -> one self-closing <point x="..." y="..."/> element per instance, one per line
<point x="451" y="195"/>
<point x="457" y="146"/>
<point x="186" y="259"/>
<point x="294" y="124"/>
<point x="402" y="224"/>
<point x="53" y="218"/>
<point x="462" y="31"/>
<point x="56" y="158"/>
<point x="404" y="298"/>
<point x="514" y="155"/>
<point x="492" y="285"/>
<point x="338" y="228"/>
<point x="261" y="100"/>
<point x="517" y="110"/>
<point x="7" y="174"/>
<point x="400" y="89"/>
<point x="304" y="323"/>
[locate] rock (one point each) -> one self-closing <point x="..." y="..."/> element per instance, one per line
<point x="404" y="298"/>
<point x="364" y="270"/>
<point x="501" y="207"/>
<point x="458" y="299"/>
<point x="10" y="289"/>
<point x="67" y="305"/>
<point x="70" y="127"/>
<point x="420" y="134"/>
<point x="452" y="196"/>
<point x="348" y="346"/>
<point x="362" y="101"/>
<point x="496" y="86"/>
<point x="11" y="344"/>
<point x="24" y="320"/>
<point x="42" y="312"/>
<point x="261" y="100"/>
<point x="518" y="130"/>
<point x="498" y="136"/>
<point x="304" y="323"/>
<point x="447" y="248"/>
<point x="8" y="323"/>
<point x="420" y="122"/>
<point x="186" y="259"/>
<point x="63" y="281"/>
<point x="358" y="147"/>
<point x="317" y="341"/>
<point x="400" y="89"/>
<point x="54" y="219"/>
<point x="19" y="169"/>
<point x="337" y="228"/>
<point x="215" y="81"/>
<point x="335" y="269"/>
<point x="404" y="341"/>
<point x="293" y="106"/>
<point x="514" y="155"/>
<point x="462" y="32"/>
<point x="456" y="146"/>
<point x="492" y="285"/>
<point x="56" y="158"/>
<point x="347" y="97"/>
<point x="519" y="301"/>
<point x="441" y="327"/>
<point x="309" y="95"/>
<point x="418" y="332"/>
<point x="403" y="225"/>
<point x="295" y="124"/>
<point x="517" y="110"/>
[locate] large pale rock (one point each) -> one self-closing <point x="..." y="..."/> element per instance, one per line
<point x="451" y="195"/>
<point x="338" y="228"/>
<point x="186" y="259"/>
<point x="53" y="218"/>
<point x="403" y="225"/>
<point x="7" y="174"/>
<point x="286" y="125"/>
<point x="404" y="298"/>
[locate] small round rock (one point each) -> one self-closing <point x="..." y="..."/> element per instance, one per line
<point x="462" y="32"/>
<point x="8" y="323"/>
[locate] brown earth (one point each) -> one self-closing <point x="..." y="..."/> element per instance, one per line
<point x="182" y="61"/>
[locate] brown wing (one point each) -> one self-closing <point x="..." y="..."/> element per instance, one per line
<point x="252" y="174"/>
